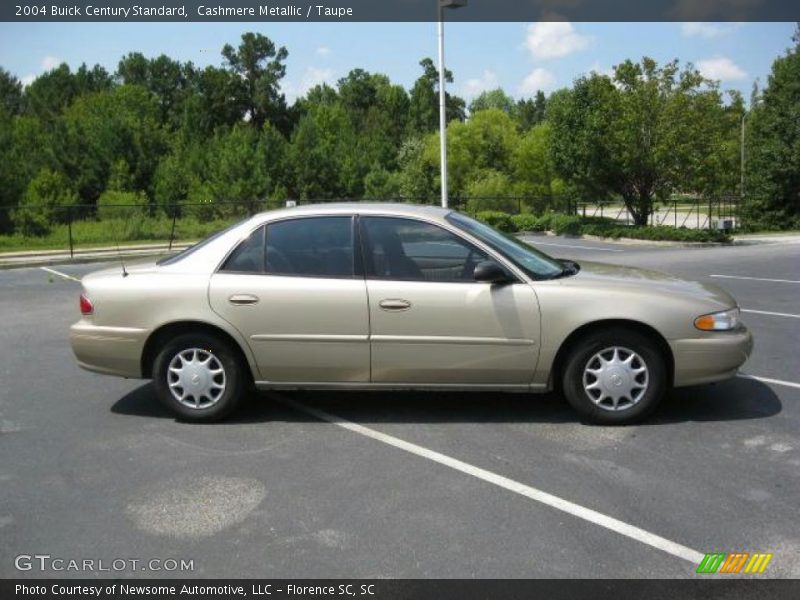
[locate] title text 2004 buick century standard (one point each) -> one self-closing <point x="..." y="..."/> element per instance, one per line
<point x="399" y="297"/>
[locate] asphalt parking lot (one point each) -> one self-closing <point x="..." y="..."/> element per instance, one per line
<point x="407" y="485"/>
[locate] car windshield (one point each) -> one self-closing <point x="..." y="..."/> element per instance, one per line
<point x="535" y="263"/>
<point x="173" y="258"/>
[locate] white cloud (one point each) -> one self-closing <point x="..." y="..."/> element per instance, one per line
<point x="538" y="79"/>
<point x="323" y="51"/>
<point x="487" y="81"/>
<point x="554" y="39"/>
<point x="28" y="79"/>
<point x="721" y="68"/>
<point x="50" y="62"/>
<point x="708" y="30"/>
<point x="312" y="76"/>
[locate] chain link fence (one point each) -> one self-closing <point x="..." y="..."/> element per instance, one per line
<point x="86" y="226"/>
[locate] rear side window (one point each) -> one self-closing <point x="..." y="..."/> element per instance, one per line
<point x="248" y="256"/>
<point x="311" y="247"/>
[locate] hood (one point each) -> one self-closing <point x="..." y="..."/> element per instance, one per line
<point x="600" y="274"/>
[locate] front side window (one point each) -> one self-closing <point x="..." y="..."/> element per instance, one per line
<point x="535" y="263"/>
<point x="311" y="247"/>
<point x="406" y="249"/>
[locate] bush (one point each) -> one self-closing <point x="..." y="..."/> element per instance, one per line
<point x="498" y="220"/>
<point x="527" y="222"/>
<point x="565" y="224"/>
<point x="657" y="233"/>
<point x="44" y="203"/>
<point x="121" y="205"/>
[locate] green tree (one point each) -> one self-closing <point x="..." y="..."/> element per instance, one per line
<point x="260" y="66"/>
<point x="238" y="170"/>
<point x="772" y="187"/>
<point x="321" y="154"/>
<point x="51" y="93"/>
<point x="213" y="100"/>
<point x="496" y="99"/>
<point x="642" y="136"/>
<point x="424" y="101"/>
<point x="529" y="112"/>
<point x="164" y="77"/>
<point x="485" y="142"/>
<point x="10" y="93"/>
<point x="102" y="128"/>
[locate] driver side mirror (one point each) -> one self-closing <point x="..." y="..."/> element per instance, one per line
<point x="490" y="272"/>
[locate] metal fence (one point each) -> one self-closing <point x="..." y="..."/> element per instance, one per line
<point x="89" y="225"/>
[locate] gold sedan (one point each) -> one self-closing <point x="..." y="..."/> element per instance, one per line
<point x="379" y="296"/>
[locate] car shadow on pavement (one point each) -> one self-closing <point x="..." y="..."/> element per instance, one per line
<point x="733" y="400"/>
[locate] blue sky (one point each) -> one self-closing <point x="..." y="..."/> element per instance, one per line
<point x="520" y="57"/>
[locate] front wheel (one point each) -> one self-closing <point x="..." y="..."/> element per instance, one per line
<point x="615" y="377"/>
<point x="199" y="377"/>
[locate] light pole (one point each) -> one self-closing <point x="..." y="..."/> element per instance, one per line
<point x="443" y="96"/>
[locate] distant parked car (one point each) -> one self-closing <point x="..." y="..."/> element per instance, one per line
<point x="380" y="296"/>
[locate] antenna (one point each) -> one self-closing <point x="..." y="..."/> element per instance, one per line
<point x="121" y="262"/>
<point x="119" y="253"/>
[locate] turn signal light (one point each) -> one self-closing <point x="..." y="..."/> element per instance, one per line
<point x="726" y="320"/>
<point x="87" y="307"/>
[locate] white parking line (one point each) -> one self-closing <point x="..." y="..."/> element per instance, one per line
<point x="538" y="243"/>
<point x="755" y="278"/>
<point x="60" y="274"/>
<point x="576" y="510"/>
<point x="790" y="384"/>
<point x="771" y="314"/>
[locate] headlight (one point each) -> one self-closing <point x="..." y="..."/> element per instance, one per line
<point x="721" y="321"/>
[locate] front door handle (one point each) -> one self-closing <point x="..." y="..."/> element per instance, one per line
<point x="394" y="304"/>
<point x="243" y="299"/>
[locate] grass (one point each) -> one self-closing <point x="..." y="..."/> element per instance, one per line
<point x="94" y="234"/>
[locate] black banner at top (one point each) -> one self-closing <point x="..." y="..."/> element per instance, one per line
<point x="398" y="10"/>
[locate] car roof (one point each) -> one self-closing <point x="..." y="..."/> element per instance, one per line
<point x="338" y="208"/>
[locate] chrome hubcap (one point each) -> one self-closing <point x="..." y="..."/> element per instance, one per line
<point x="196" y="378"/>
<point x="615" y="378"/>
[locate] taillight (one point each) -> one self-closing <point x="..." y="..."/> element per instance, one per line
<point x="87" y="307"/>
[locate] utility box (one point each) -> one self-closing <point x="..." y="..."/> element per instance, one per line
<point x="723" y="224"/>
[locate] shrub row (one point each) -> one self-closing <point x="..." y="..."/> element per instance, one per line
<point x="602" y="227"/>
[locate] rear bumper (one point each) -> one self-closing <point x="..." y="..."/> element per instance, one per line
<point x="712" y="358"/>
<point x="108" y="350"/>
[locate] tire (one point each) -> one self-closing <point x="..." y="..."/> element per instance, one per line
<point x="210" y="376"/>
<point x="642" y="389"/>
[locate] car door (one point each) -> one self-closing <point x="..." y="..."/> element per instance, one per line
<point x="294" y="291"/>
<point x="431" y="323"/>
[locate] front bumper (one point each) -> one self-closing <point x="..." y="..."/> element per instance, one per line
<point x="108" y="350"/>
<point x="714" y="357"/>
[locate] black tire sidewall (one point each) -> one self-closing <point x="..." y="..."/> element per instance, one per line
<point x="235" y="386"/>
<point x="572" y="383"/>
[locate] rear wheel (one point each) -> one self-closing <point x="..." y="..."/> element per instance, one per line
<point x="615" y="377"/>
<point x="199" y="377"/>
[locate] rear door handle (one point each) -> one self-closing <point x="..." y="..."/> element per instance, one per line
<point x="394" y="304"/>
<point x="243" y="299"/>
